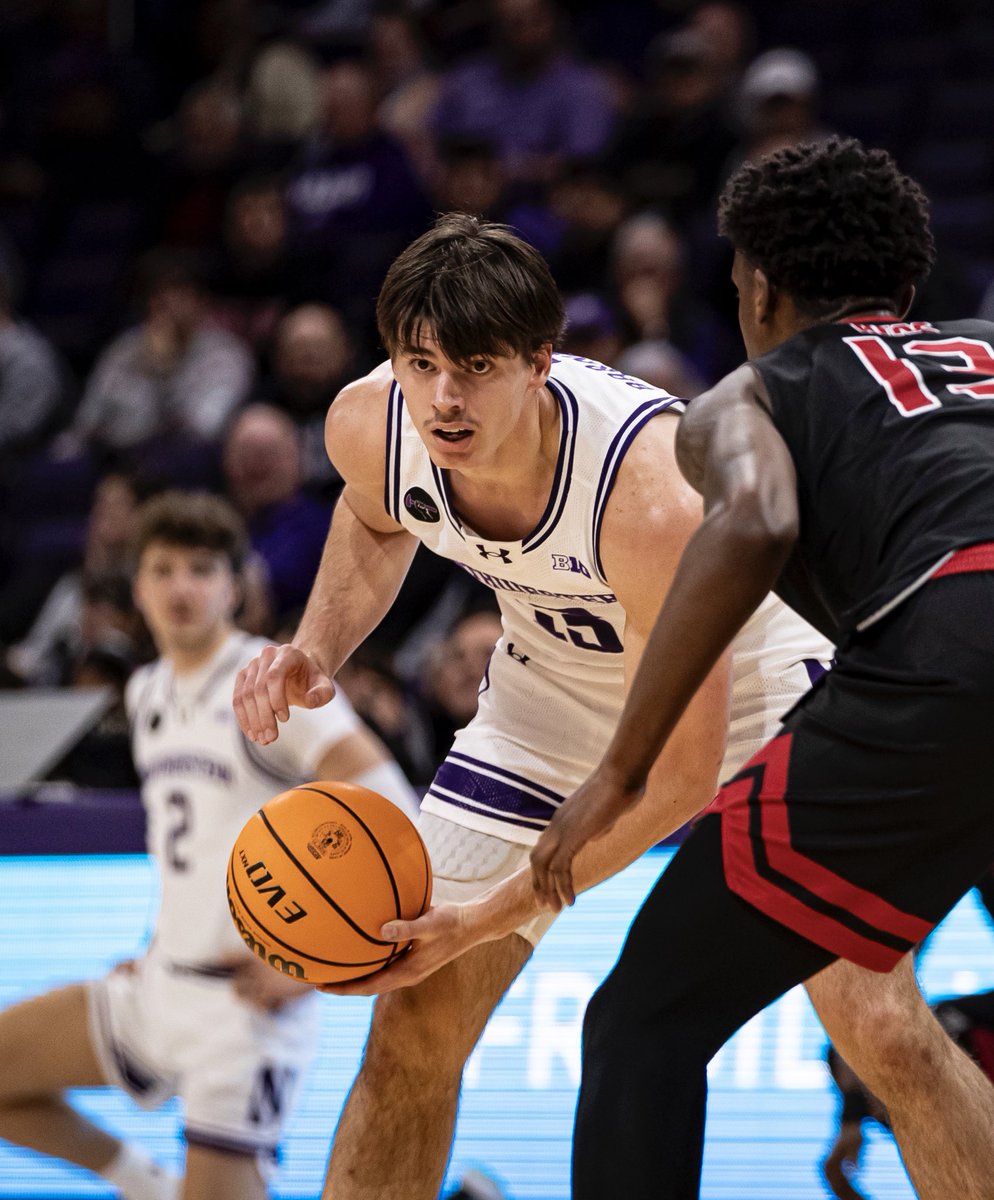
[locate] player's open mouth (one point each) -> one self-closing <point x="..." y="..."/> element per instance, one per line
<point x="452" y="435"/>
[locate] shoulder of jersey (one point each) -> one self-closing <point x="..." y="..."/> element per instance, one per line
<point x="138" y="681"/>
<point x="578" y="374"/>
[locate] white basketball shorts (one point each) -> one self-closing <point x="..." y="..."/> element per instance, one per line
<point x="161" y="1030"/>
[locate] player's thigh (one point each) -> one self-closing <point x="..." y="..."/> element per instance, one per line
<point x="45" y="1045"/>
<point x="220" y="1175"/>
<point x="436" y="1024"/>
<point x="864" y="1011"/>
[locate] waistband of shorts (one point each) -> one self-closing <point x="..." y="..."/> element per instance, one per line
<point x="971" y="558"/>
<point x="200" y="970"/>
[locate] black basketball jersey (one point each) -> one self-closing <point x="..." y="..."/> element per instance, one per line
<point x="891" y="428"/>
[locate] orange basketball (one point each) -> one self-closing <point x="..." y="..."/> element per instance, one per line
<point x="317" y="871"/>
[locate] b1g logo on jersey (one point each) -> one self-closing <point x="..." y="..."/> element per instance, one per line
<point x="566" y="562"/>
<point x="421" y="506"/>
<point x="330" y="840"/>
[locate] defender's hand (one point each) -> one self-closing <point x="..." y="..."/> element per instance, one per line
<point x="276" y="679"/>
<point x="589" y="813"/>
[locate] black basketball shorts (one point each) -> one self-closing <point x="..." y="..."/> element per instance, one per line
<point x="863" y="822"/>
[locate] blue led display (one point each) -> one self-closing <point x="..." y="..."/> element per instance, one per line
<point x="771" y="1108"/>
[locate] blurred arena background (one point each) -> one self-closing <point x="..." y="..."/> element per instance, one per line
<point x="198" y="201"/>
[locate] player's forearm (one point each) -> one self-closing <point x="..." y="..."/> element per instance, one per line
<point x="670" y="803"/>
<point x="358" y="579"/>
<point x="726" y="571"/>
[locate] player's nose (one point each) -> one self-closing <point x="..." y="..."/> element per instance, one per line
<point x="448" y="398"/>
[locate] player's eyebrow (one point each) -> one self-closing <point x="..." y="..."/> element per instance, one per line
<point x="420" y="351"/>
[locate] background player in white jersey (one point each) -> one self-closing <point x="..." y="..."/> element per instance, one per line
<point x="197" y="1015"/>
<point x="553" y="480"/>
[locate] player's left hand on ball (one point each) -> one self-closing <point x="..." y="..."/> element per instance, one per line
<point x="588" y="814"/>
<point x="438" y="936"/>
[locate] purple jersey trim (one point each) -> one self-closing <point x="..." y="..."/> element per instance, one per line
<point x="612" y="463"/>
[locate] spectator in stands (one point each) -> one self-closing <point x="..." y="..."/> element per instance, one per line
<point x="408" y="84"/>
<point x="778" y="103"/>
<point x="588" y="205"/>
<point x="455" y="672"/>
<point x="395" y="715"/>
<point x="175" y="375"/>
<point x="313" y="358"/>
<point x="251" y="277"/>
<point x="354" y="198"/>
<point x="529" y="94"/>
<point x="90" y="605"/>
<point x="264" y="479"/>
<point x="593" y="328"/>
<point x="661" y="364"/>
<point x="102" y="757"/>
<point x="469" y="177"/>
<point x="729" y="32"/>
<point x="671" y="151"/>
<point x="201" y="166"/>
<point x="648" y="271"/>
<point x="34" y="383"/>
<point x="281" y="103"/>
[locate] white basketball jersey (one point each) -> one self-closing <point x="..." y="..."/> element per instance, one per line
<point x="202" y="780"/>
<point x="555" y="688"/>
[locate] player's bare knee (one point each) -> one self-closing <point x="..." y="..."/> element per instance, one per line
<point x="409" y="1041"/>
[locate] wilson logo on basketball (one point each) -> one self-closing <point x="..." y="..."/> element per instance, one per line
<point x="330" y="840"/>
<point x="260" y="949"/>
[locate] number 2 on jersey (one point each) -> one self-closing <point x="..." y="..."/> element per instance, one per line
<point x="902" y="380"/>
<point x="179" y="805"/>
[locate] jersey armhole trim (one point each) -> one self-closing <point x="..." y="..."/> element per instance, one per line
<point x="569" y="412"/>
<point x="391" y="476"/>
<point x="619" y="447"/>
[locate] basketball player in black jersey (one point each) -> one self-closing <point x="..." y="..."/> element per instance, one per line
<point x="850" y="467"/>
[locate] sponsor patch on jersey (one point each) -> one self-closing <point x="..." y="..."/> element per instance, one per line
<point x="330" y="840"/>
<point x="421" y="506"/>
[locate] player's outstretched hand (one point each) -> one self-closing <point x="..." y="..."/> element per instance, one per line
<point x="439" y="936"/>
<point x="589" y="813"/>
<point x="278" y="678"/>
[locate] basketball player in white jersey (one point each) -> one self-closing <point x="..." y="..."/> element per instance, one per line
<point x="553" y="480"/>
<point x="197" y="1015"/>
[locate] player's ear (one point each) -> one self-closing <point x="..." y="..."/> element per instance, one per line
<point x="541" y="363"/>
<point x="764" y="296"/>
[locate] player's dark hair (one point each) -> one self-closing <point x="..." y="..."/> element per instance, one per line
<point x="828" y="222"/>
<point x="480" y="288"/>
<point x="193" y="520"/>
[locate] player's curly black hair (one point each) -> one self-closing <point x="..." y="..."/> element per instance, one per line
<point x="828" y="222"/>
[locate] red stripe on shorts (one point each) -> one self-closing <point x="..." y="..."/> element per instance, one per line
<point x="973" y="558"/>
<point x="744" y="879"/>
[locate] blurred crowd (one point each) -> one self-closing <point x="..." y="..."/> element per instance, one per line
<point x="199" y="200"/>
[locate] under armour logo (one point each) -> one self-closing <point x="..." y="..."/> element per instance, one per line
<point x="502" y="554"/>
